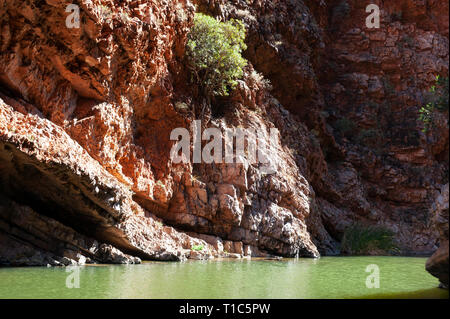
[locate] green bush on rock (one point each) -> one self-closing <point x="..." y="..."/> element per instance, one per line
<point x="197" y="247"/>
<point x="214" y="53"/>
<point x="345" y="126"/>
<point x="364" y="240"/>
<point x="438" y="101"/>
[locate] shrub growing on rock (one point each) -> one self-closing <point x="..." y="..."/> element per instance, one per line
<point x="214" y="53"/>
<point x="345" y="126"/>
<point x="438" y="101"/>
<point x="197" y="248"/>
<point x="364" y="240"/>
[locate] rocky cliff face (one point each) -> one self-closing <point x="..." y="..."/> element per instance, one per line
<point x="86" y="115"/>
<point x="437" y="264"/>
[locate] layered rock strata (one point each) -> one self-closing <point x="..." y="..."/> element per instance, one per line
<point x="86" y="116"/>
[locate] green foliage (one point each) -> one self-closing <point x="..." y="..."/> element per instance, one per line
<point x="438" y="101"/>
<point x="259" y="79"/>
<point x="214" y="53"/>
<point x="426" y="116"/>
<point x="345" y="125"/>
<point x="197" y="247"/>
<point x="361" y="239"/>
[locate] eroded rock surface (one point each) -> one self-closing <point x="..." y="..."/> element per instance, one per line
<point x="437" y="264"/>
<point x="86" y="115"/>
<point x="358" y="91"/>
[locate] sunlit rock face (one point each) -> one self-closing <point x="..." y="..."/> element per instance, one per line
<point x="86" y="116"/>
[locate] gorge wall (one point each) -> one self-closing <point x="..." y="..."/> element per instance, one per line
<point x="86" y="116"/>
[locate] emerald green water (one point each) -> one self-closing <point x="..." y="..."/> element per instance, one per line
<point x="328" y="277"/>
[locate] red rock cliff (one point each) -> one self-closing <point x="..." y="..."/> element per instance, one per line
<point x="86" y="115"/>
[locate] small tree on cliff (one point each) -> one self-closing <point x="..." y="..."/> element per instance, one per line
<point x="438" y="101"/>
<point x="214" y="54"/>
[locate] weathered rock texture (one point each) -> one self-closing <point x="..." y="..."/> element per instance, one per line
<point x="437" y="264"/>
<point x="86" y="115"/>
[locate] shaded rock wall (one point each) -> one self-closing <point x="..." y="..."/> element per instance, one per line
<point x="437" y="264"/>
<point x="326" y="66"/>
<point x="86" y="116"/>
